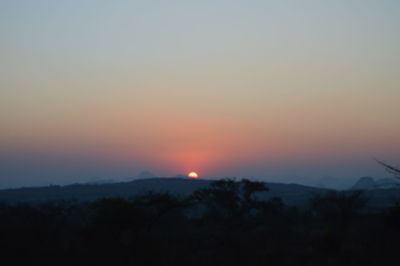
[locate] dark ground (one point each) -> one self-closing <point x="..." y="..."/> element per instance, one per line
<point x="223" y="223"/>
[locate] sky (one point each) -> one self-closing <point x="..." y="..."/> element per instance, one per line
<point x="279" y="90"/>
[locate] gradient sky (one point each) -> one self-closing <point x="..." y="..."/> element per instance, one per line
<point x="280" y="90"/>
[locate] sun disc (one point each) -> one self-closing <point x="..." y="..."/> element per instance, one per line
<point x="193" y="175"/>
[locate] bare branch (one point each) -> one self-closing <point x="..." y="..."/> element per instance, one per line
<point x="391" y="169"/>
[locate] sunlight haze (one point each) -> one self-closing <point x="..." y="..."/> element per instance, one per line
<point x="284" y="91"/>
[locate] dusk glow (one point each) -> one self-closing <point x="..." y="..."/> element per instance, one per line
<point x="276" y="90"/>
<point x="200" y="132"/>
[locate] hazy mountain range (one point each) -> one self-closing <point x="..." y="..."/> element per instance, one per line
<point x="291" y="194"/>
<point x="369" y="183"/>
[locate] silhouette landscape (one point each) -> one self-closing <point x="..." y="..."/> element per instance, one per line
<point x="164" y="221"/>
<point x="199" y="133"/>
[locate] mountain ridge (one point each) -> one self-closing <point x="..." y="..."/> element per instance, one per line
<point x="291" y="194"/>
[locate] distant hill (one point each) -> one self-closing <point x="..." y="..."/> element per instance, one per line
<point x="101" y="181"/>
<point x="88" y="192"/>
<point x="364" y="183"/>
<point x="368" y="183"/>
<point x="388" y="183"/>
<point x="331" y="182"/>
<point x="291" y="194"/>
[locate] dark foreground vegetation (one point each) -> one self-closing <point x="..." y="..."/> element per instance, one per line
<point x="224" y="224"/>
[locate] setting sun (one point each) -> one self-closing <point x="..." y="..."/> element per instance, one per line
<point x="193" y="175"/>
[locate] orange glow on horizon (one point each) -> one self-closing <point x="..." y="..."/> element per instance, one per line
<point x="193" y="175"/>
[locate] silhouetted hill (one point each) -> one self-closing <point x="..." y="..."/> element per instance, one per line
<point x="364" y="183"/>
<point x="291" y="194"/>
<point x="389" y="182"/>
<point x="368" y="183"/>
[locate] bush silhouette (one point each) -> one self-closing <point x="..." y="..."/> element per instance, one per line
<point x="235" y="226"/>
<point x="338" y="209"/>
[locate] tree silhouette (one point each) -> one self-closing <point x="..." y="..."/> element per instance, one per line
<point x="390" y="169"/>
<point x="338" y="208"/>
<point x="157" y="205"/>
<point x="227" y="199"/>
<point x="236" y="227"/>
